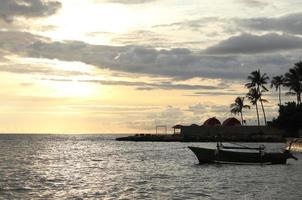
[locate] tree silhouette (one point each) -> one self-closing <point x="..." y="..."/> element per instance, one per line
<point x="277" y="82"/>
<point x="290" y="118"/>
<point x="254" y="96"/>
<point x="258" y="81"/>
<point x="293" y="80"/>
<point x="238" y="106"/>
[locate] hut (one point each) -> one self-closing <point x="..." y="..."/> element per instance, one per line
<point x="232" y="121"/>
<point x="212" y="122"/>
<point x="177" y="127"/>
<point x="194" y="125"/>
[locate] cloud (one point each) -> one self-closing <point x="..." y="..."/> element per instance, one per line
<point x="147" y="86"/>
<point x="169" y="116"/>
<point x="194" y="24"/>
<point x="38" y="69"/>
<point x="253" y="3"/>
<point x="142" y="38"/>
<point x="10" y="9"/>
<point x="199" y="108"/>
<point x="217" y="93"/>
<point x="208" y="26"/>
<point x="17" y="41"/>
<point x="291" y="23"/>
<point x="113" y="108"/>
<point x="251" y="44"/>
<point x="127" y="1"/>
<point x="218" y="26"/>
<point x="178" y="63"/>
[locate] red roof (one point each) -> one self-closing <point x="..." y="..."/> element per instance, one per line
<point x="212" y="122"/>
<point x="232" y="121"/>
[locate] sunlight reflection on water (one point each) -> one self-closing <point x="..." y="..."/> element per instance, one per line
<point x="97" y="167"/>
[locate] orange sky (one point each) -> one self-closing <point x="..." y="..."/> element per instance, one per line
<point x="93" y="66"/>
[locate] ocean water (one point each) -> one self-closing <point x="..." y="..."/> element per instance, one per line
<point x="98" y="167"/>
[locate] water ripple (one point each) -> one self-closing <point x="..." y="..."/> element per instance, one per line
<point x="97" y="167"/>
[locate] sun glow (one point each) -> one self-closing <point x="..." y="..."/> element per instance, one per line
<point x="77" y="20"/>
<point x="72" y="89"/>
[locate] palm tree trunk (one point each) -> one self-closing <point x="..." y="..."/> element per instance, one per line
<point x="258" y="89"/>
<point x="257" y="114"/>
<point x="279" y="95"/>
<point x="241" y="118"/>
<point x="264" y="116"/>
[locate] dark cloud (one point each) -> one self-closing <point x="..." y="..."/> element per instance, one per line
<point x="178" y="63"/>
<point x="16" y="42"/>
<point x="269" y="94"/>
<point x="27" y="8"/>
<point x="251" y="44"/>
<point x="291" y="23"/>
<point x="148" y="86"/>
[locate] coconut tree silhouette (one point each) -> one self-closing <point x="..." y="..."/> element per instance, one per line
<point x="293" y="80"/>
<point x="277" y="82"/>
<point x="238" y="106"/>
<point x="254" y="96"/>
<point x="258" y="81"/>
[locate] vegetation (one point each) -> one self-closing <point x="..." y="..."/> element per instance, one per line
<point x="290" y="113"/>
<point x="254" y="96"/>
<point x="238" y="106"/>
<point x="256" y="84"/>
<point x="290" y="118"/>
<point x="277" y="82"/>
<point x="293" y="80"/>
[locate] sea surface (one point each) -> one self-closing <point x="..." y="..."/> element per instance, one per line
<point x="98" y="167"/>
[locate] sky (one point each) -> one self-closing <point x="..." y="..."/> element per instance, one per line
<point x="125" y="66"/>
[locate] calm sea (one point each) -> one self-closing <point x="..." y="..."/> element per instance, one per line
<point x="98" y="167"/>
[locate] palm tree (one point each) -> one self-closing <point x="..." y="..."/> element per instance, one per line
<point x="237" y="107"/>
<point x="277" y="82"/>
<point x="293" y="80"/>
<point x="258" y="81"/>
<point x="254" y="96"/>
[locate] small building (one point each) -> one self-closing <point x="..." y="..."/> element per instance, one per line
<point x="232" y="121"/>
<point x="212" y="122"/>
<point x="177" y="128"/>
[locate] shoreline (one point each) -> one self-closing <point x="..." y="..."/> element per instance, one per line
<point x="179" y="138"/>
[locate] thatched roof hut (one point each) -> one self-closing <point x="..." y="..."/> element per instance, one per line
<point x="212" y="122"/>
<point x="232" y="121"/>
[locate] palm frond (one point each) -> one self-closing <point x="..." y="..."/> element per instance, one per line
<point x="247" y="106"/>
<point x="290" y="93"/>
<point x="264" y="100"/>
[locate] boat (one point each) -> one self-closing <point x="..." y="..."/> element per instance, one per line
<point x="247" y="155"/>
